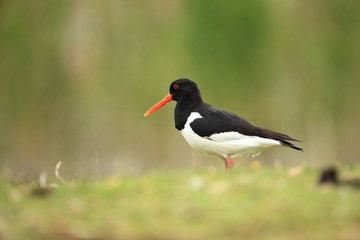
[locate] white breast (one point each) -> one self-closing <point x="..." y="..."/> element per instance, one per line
<point x="226" y="144"/>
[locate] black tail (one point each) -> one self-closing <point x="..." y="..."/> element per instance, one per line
<point x="282" y="138"/>
<point x="289" y="144"/>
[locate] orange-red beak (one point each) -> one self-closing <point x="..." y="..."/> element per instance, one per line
<point x="161" y="103"/>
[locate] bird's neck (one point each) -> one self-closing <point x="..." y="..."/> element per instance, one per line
<point x="184" y="107"/>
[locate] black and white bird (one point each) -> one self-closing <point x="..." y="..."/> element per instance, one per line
<point x="217" y="131"/>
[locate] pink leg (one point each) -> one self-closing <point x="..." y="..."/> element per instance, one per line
<point x="229" y="162"/>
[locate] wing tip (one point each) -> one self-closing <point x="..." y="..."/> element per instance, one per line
<point x="288" y="144"/>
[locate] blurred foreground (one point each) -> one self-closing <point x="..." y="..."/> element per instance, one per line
<point x="244" y="204"/>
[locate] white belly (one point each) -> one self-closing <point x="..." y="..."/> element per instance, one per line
<point x="231" y="144"/>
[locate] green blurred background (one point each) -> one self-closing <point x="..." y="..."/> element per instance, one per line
<point x="77" y="76"/>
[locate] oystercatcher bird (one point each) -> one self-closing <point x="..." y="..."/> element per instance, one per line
<point x="214" y="130"/>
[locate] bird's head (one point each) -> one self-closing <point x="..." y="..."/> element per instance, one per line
<point x="183" y="88"/>
<point x="179" y="90"/>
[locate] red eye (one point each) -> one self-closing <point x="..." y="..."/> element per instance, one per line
<point x="176" y="86"/>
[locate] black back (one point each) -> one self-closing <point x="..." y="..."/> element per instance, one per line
<point x="215" y="120"/>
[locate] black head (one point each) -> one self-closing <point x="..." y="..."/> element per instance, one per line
<point x="183" y="89"/>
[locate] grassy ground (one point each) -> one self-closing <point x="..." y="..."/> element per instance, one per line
<point x="193" y="204"/>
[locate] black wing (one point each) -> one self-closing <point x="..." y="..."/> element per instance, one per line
<point x="217" y="120"/>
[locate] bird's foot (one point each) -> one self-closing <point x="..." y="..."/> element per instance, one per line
<point x="229" y="163"/>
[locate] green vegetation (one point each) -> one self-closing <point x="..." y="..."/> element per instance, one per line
<point x="77" y="76"/>
<point x="246" y="203"/>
